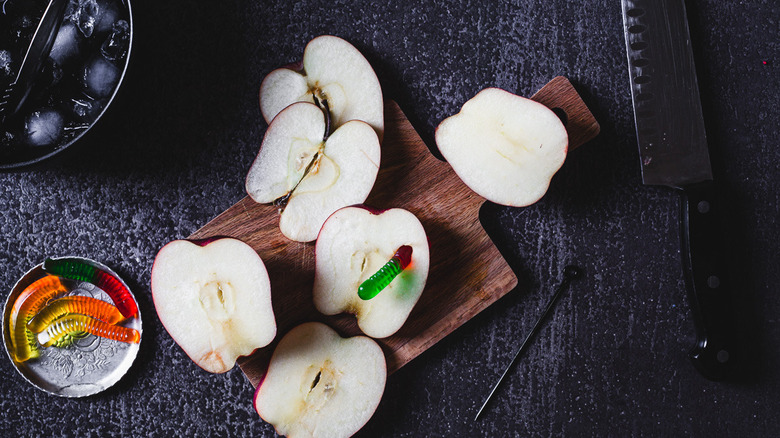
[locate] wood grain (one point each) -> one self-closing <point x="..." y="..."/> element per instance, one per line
<point x="467" y="272"/>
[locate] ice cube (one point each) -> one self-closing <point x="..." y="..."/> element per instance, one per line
<point x="109" y="13"/>
<point x="6" y="140"/>
<point x="84" y="13"/>
<point x="100" y="77"/>
<point x="6" y="65"/>
<point x="85" y="108"/>
<point x="66" y="44"/>
<point x="43" y="127"/>
<point x="115" y="46"/>
<point x="81" y="107"/>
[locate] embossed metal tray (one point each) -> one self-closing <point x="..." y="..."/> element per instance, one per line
<point x="88" y="366"/>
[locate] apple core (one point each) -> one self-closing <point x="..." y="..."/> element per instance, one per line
<point x="217" y="300"/>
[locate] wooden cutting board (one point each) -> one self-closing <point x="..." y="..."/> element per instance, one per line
<point x="467" y="272"/>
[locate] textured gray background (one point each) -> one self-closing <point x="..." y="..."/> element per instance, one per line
<point x="173" y="150"/>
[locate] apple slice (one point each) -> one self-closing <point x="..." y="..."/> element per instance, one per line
<point x="309" y="173"/>
<point x="504" y="147"/>
<point x="354" y="243"/>
<point x="333" y="73"/>
<point x="319" y="384"/>
<point x="214" y="299"/>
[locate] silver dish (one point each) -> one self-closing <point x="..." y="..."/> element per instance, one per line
<point x="88" y="366"/>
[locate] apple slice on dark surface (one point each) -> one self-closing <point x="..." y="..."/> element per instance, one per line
<point x="214" y="299"/>
<point x="333" y="73"/>
<point x="504" y="147"/>
<point x="309" y="173"/>
<point x="319" y="384"/>
<point x="354" y="243"/>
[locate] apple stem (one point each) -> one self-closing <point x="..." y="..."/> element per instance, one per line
<point x="386" y="274"/>
<point x="323" y="105"/>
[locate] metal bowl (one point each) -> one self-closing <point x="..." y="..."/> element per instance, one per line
<point x="78" y="109"/>
<point x="88" y="366"/>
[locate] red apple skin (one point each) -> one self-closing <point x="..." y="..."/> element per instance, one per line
<point x="257" y="392"/>
<point x="254" y="403"/>
<point x="547" y="183"/>
<point x="207" y="240"/>
<point x="375" y="212"/>
<point x="499" y="89"/>
<point x="201" y="243"/>
<point x="298" y="67"/>
<point x="262" y="379"/>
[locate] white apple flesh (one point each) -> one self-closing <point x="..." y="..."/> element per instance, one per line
<point x="314" y="173"/>
<point x="354" y="243"/>
<point x="214" y="300"/>
<point x="319" y="384"/>
<point x="332" y="71"/>
<point x="504" y="147"/>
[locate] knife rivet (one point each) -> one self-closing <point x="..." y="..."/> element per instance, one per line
<point x="722" y="356"/>
<point x="713" y="282"/>
<point x="703" y="207"/>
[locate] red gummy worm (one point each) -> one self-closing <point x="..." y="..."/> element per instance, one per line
<point x="118" y="292"/>
<point x="78" y="270"/>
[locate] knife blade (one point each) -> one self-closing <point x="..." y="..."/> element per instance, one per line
<point x="673" y="152"/>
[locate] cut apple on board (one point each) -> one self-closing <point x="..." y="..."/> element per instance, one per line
<point x="214" y="299"/>
<point x="310" y="173"/>
<point x="354" y="243"/>
<point x="504" y="147"/>
<point x="333" y="75"/>
<point x="319" y="384"/>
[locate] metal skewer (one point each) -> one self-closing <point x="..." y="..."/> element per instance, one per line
<point x="569" y="273"/>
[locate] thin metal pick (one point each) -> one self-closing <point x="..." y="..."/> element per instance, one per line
<point x="570" y="273"/>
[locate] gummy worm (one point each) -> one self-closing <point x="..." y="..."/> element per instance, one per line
<point x="78" y="270"/>
<point x="377" y="282"/>
<point x="82" y="323"/>
<point x="89" y="306"/>
<point x="69" y="339"/>
<point x="32" y="298"/>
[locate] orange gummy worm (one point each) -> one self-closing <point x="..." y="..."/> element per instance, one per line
<point x="89" y="306"/>
<point x="83" y="323"/>
<point x="32" y="298"/>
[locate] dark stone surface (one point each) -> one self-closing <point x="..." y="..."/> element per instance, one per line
<point x="173" y="150"/>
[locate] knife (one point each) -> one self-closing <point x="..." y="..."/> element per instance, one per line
<point x="673" y="152"/>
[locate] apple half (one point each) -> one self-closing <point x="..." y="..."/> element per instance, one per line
<point x="214" y="299"/>
<point x="333" y="73"/>
<point x="354" y="243"/>
<point x="504" y="147"/>
<point x="310" y="173"/>
<point x="319" y="384"/>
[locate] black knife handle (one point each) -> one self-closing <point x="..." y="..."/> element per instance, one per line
<point x="709" y="292"/>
